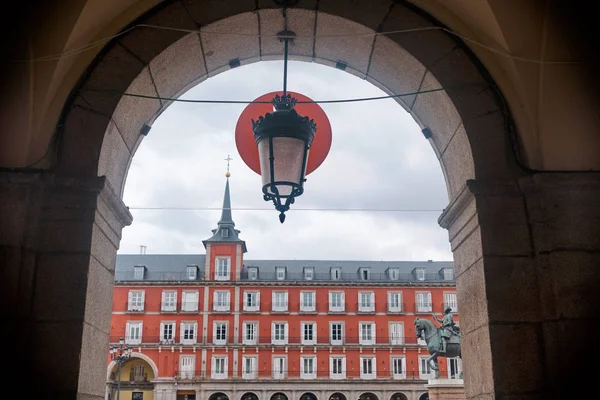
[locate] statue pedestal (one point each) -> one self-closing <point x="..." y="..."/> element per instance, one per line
<point x="446" y="389"/>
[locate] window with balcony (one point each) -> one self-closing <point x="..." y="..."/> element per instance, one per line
<point x="394" y="302"/>
<point x="450" y="301"/>
<point x="188" y="332"/>
<point x="336" y="330"/>
<point x="189" y="301"/>
<point x="167" y="332"/>
<point x="367" y="333"/>
<point x="280" y="302"/>
<point x="309" y="332"/>
<point x="221" y="300"/>
<point x="367" y="368"/>
<point x="396" y="333"/>
<point x="398" y="368"/>
<point x="308" y="367"/>
<point x="133" y="332"/>
<point x="366" y="302"/>
<point x="280" y="273"/>
<point x="219" y="367"/>
<point x="192" y="272"/>
<point x="222" y="269"/>
<point x="279" y="367"/>
<point x="249" y="367"/>
<point x="135" y="300"/>
<point x="279" y="333"/>
<point x="252" y="301"/>
<point x="336" y="302"/>
<point x="249" y="333"/>
<point x="337" y="367"/>
<point x="336" y="273"/>
<point x="187" y="366"/>
<point x="309" y="274"/>
<point x="423" y="302"/>
<point x="308" y="301"/>
<point x="220" y="333"/>
<point x="169" y="301"/>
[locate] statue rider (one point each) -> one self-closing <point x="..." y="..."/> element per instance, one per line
<point x="447" y="328"/>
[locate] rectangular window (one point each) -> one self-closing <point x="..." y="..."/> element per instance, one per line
<point x="280" y="302"/>
<point x="454" y="368"/>
<point x="398" y="368"/>
<point x="251" y="301"/>
<point x="192" y="273"/>
<point x="336" y="274"/>
<point x="394" y="274"/>
<point x="249" y="370"/>
<point x="133" y="334"/>
<point x="221" y="300"/>
<point x="424" y="369"/>
<point x="337" y="329"/>
<point x="394" y="301"/>
<point x="167" y="333"/>
<point x="309" y="330"/>
<point x="189" y="301"/>
<point x="448" y="274"/>
<point x="220" y="333"/>
<point x="420" y="272"/>
<point x="138" y="273"/>
<point x="137" y="395"/>
<point x="253" y="273"/>
<point x="450" y="301"/>
<point x="224" y="232"/>
<point x="366" y="302"/>
<point x="169" y="301"/>
<point x="367" y="333"/>
<point x="279" y="333"/>
<point x="396" y="333"/>
<point x="186" y="364"/>
<point x="280" y="272"/>
<point x="308" y="370"/>
<point x="337" y="367"/>
<point x="222" y="269"/>
<point x="365" y="274"/>
<point x="309" y="274"/>
<point x="367" y="368"/>
<point x="219" y="367"/>
<point x="424" y="302"/>
<point x="136" y="300"/>
<point x="188" y="332"/>
<point x="336" y="302"/>
<point x="308" y="301"/>
<point x="279" y="367"/>
<point x="249" y="332"/>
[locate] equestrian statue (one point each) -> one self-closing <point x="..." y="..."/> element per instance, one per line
<point x="444" y="341"/>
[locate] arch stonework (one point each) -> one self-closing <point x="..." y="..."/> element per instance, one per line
<point x="512" y="230"/>
<point x="141" y="356"/>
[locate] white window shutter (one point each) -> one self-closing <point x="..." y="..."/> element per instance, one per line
<point x="343" y="301"/>
<point x="127" y="332"/>
<point x="374" y="363"/>
<point x="212" y="366"/>
<point x="214" y="300"/>
<point x="273" y="332"/>
<point x="372" y="295"/>
<point x="302" y="326"/>
<point x="314" y="300"/>
<point x="428" y="298"/>
<point x="163" y="299"/>
<point x="285" y="335"/>
<point x="344" y="365"/>
<point x="330" y="299"/>
<point x="141" y="332"/>
<point x="258" y="300"/>
<point x="273" y="300"/>
<point x="285" y="299"/>
<point x="196" y="298"/>
<point x="162" y="332"/>
<point x="243" y="332"/>
<point x="129" y="299"/>
<point x="181" y="330"/>
<point x="174" y="331"/>
<point x="226" y="369"/>
<point x="229" y="299"/>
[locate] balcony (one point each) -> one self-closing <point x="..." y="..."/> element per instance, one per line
<point x="423" y="308"/>
<point x="135" y="307"/>
<point x="280" y="308"/>
<point x="395" y="308"/>
<point x="189" y="307"/>
<point x="222" y="308"/>
<point x="365" y="308"/>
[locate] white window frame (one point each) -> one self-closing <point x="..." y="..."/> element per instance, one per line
<point x="425" y="371"/>
<point x="275" y="338"/>
<point x="224" y="232"/>
<point x="335" y="273"/>
<point x="252" y="307"/>
<point x="279" y="373"/>
<point x="222" y="272"/>
<point x="339" y="341"/>
<point x="217" y="327"/>
<point x="221" y="300"/>
<point x="342" y="373"/>
<point x="280" y="273"/>
<point x="365" y="374"/>
<point x="245" y="326"/>
<point x="337" y="308"/>
<point x="187" y="364"/>
<point x="312" y="307"/>
<point x="448" y="274"/>
<point x="253" y="273"/>
<point x="394" y="274"/>
<point x="423" y="302"/>
<point x="278" y="306"/>
<point x="194" y="275"/>
<point x="393" y="305"/>
<point x="169" y="301"/>
<point x="136" y="300"/>
<point x="365" y="274"/>
<point x="163" y="329"/>
<point x="133" y="332"/>
<point x="304" y="328"/>
<point x="309" y="274"/>
<point x="456" y="364"/>
<point x="308" y="374"/>
<point x="393" y="363"/>
<point x="213" y="370"/>
<point x="189" y="300"/>
<point x="183" y="332"/>
<point x="363" y="306"/>
<point x="363" y="337"/>
<point x="420" y="274"/>
<point x="396" y="338"/>
<point x="450" y="301"/>
<point x="253" y="373"/>
<point x="139" y="273"/>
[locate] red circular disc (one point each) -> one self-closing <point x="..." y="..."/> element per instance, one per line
<point x="244" y="135"/>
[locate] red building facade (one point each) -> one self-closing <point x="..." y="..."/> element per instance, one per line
<point x="216" y="326"/>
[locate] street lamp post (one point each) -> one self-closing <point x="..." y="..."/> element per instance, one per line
<point x="120" y="354"/>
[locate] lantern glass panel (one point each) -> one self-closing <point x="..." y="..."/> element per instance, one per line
<point x="288" y="160"/>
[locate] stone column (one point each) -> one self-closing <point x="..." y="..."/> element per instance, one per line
<point x="58" y="242"/>
<point x="527" y="256"/>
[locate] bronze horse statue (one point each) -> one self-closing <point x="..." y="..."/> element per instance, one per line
<point x="426" y="330"/>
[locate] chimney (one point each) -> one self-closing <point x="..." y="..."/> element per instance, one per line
<point x="142" y="249"/>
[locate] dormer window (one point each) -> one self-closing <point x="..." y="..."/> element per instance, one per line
<point x="224" y="232"/>
<point x="336" y="274"/>
<point x="420" y="274"/>
<point x="309" y="273"/>
<point x="448" y="274"/>
<point x="253" y="273"/>
<point x="280" y="273"/>
<point x="192" y="272"/>
<point x="365" y="274"/>
<point x="393" y="274"/>
<point x="139" y="272"/>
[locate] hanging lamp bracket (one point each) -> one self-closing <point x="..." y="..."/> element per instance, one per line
<point x="286" y="35"/>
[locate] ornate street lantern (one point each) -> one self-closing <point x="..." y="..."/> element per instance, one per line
<point x="284" y="139"/>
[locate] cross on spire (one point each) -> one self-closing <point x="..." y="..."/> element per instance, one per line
<point x="228" y="159"/>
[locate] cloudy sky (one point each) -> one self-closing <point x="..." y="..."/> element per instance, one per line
<point x="378" y="160"/>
